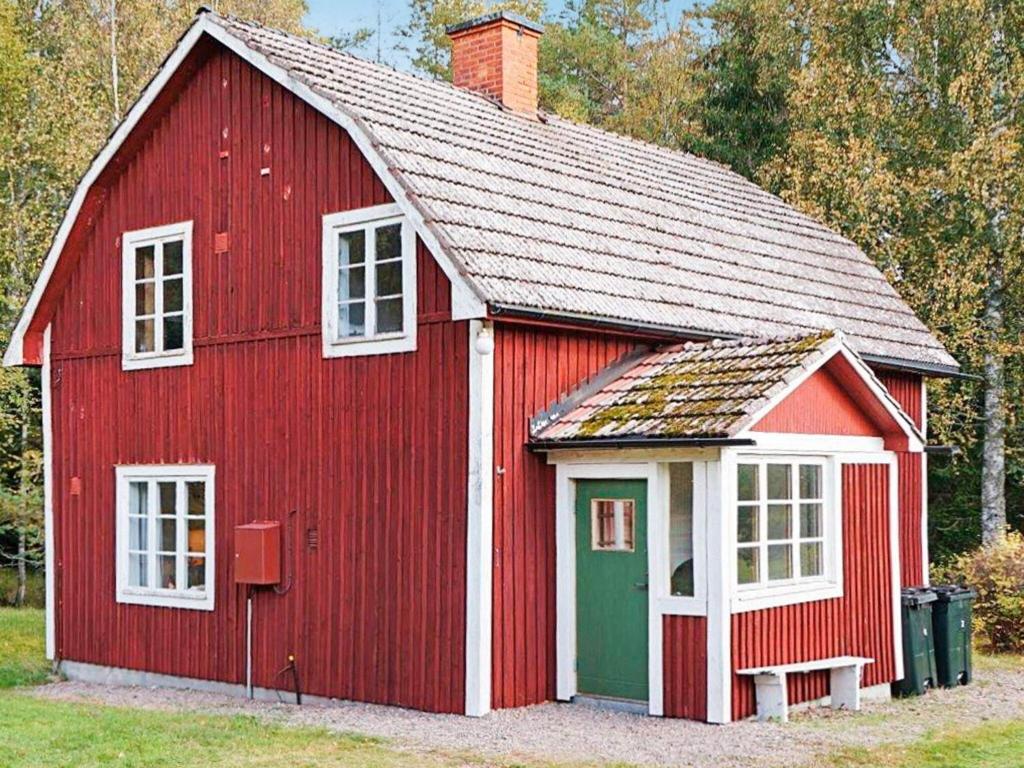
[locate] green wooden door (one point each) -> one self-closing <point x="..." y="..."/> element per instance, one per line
<point x="611" y="588"/>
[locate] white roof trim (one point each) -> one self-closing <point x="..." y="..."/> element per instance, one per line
<point x="836" y="346"/>
<point x="466" y="303"/>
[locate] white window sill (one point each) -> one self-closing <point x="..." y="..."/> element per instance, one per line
<point x="155" y="360"/>
<point x="163" y="598"/>
<point x="377" y="345"/>
<point x="679" y="605"/>
<point x="789" y="594"/>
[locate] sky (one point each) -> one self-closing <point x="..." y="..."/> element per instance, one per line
<point x="333" y="16"/>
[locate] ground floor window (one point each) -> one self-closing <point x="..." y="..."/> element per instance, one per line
<point x="782" y="523"/>
<point x="680" y="529"/>
<point x="165" y="517"/>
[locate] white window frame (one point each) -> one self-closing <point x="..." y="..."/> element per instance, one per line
<point x="368" y="219"/>
<point x="130" y="241"/>
<point x="155" y="596"/>
<point x="771" y="594"/>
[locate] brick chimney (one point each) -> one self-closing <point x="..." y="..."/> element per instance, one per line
<point x="496" y="55"/>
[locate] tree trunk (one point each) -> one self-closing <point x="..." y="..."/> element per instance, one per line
<point x="113" y="62"/>
<point x="19" y="596"/>
<point x="993" y="470"/>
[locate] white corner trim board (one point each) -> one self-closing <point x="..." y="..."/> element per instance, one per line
<point x="466" y="303"/>
<point x="721" y="490"/>
<point x="480" y="519"/>
<point x="50" y="559"/>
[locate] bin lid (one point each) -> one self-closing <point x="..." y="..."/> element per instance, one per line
<point x="915" y="596"/>
<point x="949" y="593"/>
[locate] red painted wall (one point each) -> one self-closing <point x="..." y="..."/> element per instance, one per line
<point x="859" y="623"/>
<point x="370" y="451"/>
<point x="533" y="367"/>
<point x="819" y="406"/>
<point x="685" y="675"/>
<point x="906" y="389"/>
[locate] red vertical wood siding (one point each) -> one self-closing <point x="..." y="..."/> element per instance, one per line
<point x="533" y="367"/>
<point x="369" y="451"/>
<point x="906" y="389"/>
<point x="819" y="406"/>
<point x="685" y="674"/>
<point x="859" y="623"/>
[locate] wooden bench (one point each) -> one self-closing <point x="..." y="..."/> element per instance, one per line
<point x="773" y="693"/>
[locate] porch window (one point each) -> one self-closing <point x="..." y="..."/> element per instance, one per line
<point x="165" y="536"/>
<point x="157" y="297"/>
<point x="369" y="282"/>
<point x="782" y="525"/>
<point x="680" y="518"/>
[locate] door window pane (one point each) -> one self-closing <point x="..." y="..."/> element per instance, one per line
<point x="680" y="517"/>
<point x="612" y="525"/>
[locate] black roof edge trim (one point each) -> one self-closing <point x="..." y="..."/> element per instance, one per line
<point x="637" y="442"/>
<point x="487" y="18"/>
<point x="942" y="450"/>
<point x="674" y="333"/>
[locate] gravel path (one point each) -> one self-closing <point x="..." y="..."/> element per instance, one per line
<point x="585" y="734"/>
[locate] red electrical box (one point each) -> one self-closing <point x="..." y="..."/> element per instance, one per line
<point x="258" y="552"/>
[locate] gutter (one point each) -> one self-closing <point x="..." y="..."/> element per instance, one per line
<point x="676" y="334"/>
<point x="637" y="442"/>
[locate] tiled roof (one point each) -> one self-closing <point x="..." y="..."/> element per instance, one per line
<point x="694" y="390"/>
<point x="552" y="216"/>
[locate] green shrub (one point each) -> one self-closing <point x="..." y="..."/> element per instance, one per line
<point x="996" y="573"/>
<point x="35" y="594"/>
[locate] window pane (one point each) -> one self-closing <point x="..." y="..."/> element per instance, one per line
<point x="168" y="536"/>
<point x="389" y="242"/>
<point x="352" y="283"/>
<point x="780" y="518"/>
<point x="168" y="504"/>
<point x="602" y="524"/>
<point x="624" y="525"/>
<point x="389" y="316"/>
<point x="810" y="559"/>
<point x="747" y="482"/>
<point x="137" y="533"/>
<point x="145" y="298"/>
<point x="172" y="257"/>
<point x="144" y="261"/>
<point x="780" y="562"/>
<point x="747" y="565"/>
<point x="167" y="571"/>
<point x="174" y="333"/>
<point x="779" y="482"/>
<point x="196" y="572"/>
<point x="389" y="279"/>
<point x="196" y="492"/>
<point x="138" y="575"/>
<point x="351" y="248"/>
<point x="351" y="320"/>
<point x="810" y="481"/>
<point x="810" y="521"/>
<point x="197" y="536"/>
<point x="680" y="528"/>
<point x="138" y="498"/>
<point x="173" y="295"/>
<point x="747" y="526"/>
<point x="144" y="336"/>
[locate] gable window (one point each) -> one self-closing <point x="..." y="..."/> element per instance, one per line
<point x="156" y="311"/>
<point x="369" y="282"/>
<point x="165" y="528"/>
<point x="786" y="525"/>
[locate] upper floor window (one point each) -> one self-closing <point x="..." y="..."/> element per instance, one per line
<point x="165" y="527"/>
<point x="369" y="282"/>
<point x="786" y="525"/>
<point x="157" y="297"/>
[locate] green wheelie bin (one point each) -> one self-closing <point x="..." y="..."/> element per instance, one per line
<point x="919" y="672"/>
<point x="951" y="628"/>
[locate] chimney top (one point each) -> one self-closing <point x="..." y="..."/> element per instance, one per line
<point x="490" y="18"/>
<point x="496" y="55"/>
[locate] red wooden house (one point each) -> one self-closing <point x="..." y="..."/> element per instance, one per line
<point x="537" y="411"/>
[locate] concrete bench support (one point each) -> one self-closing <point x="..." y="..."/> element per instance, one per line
<point x="772" y="689"/>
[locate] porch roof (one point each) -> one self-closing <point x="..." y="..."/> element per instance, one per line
<point x="693" y="392"/>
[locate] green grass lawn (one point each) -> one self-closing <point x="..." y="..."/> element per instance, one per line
<point x="36" y="733"/>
